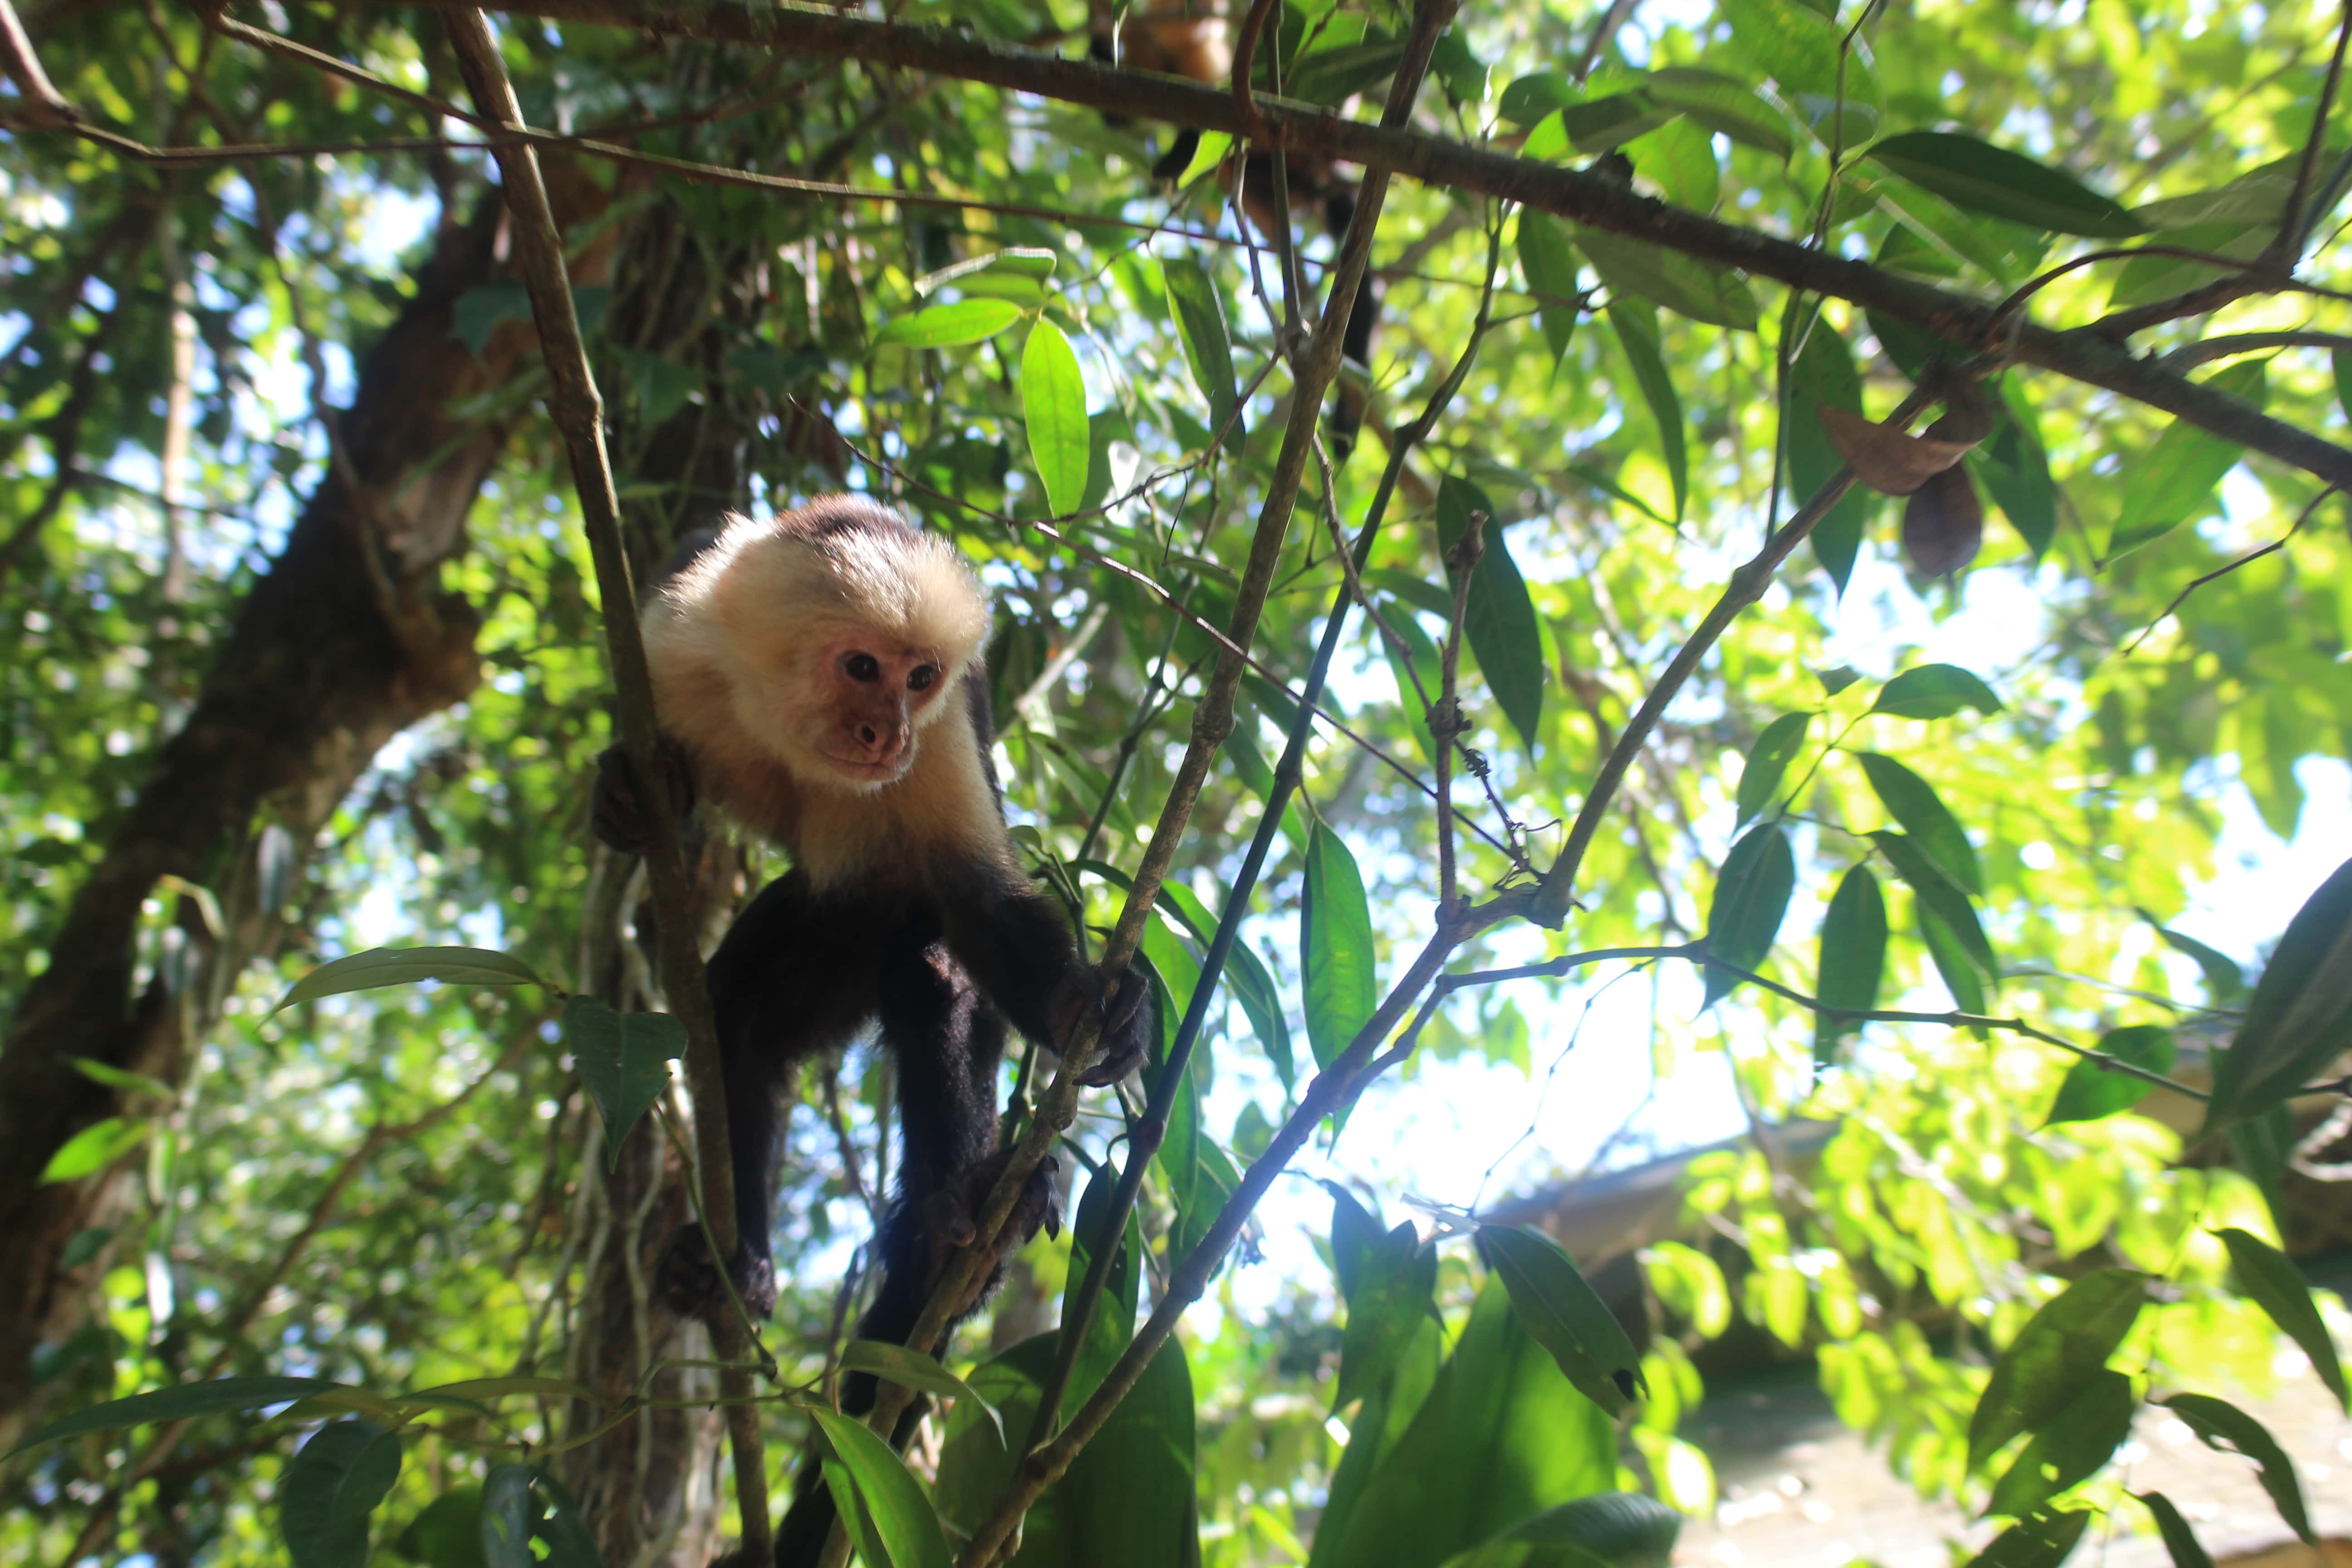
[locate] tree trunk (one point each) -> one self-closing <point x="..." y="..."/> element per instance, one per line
<point x="344" y="643"/>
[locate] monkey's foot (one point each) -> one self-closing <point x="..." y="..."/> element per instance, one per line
<point x="617" y="811"/>
<point x="955" y="1212"/>
<point x="1125" y="1036"/>
<point x="691" y="1286"/>
<point x="1126" y="1032"/>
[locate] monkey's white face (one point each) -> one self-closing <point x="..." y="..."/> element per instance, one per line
<point x="873" y="695"/>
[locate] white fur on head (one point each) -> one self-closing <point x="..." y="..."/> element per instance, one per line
<point x="763" y="605"/>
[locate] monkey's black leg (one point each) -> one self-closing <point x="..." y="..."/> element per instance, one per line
<point x="1171" y="164"/>
<point x="947" y="1043"/>
<point x="795" y="975"/>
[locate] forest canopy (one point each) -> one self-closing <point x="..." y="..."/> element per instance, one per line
<point x="1839" y="525"/>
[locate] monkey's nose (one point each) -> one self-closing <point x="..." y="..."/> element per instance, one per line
<point x="869" y="735"/>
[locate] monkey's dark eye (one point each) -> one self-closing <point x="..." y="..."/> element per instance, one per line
<point x="919" y="678"/>
<point x="861" y="666"/>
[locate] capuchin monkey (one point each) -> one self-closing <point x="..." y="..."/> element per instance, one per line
<point x="1169" y="38"/>
<point x="819" y="681"/>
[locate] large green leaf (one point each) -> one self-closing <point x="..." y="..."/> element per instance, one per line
<point x="2055" y="1358"/>
<point x="380" y="966"/>
<point x="2270" y="1278"/>
<point x="1613" y="1530"/>
<point x="1933" y="691"/>
<point x="2042" y="1541"/>
<point x="1716" y="295"/>
<point x="447" y="1532"/>
<point x="1822" y="376"/>
<point x="1127" y="1498"/>
<point x="1201" y="324"/>
<point x="1336" y="938"/>
<point x="1768" y="762"/>
<point x="1501" y="1436"/>
<point x="1852" y="958"/>
<point x="1566" y="1315"/>
<point x="1988" y="179"/>
<point x="1389" y="1298"/>
<point x="950" y="326"/>
<point x="331" y="1487"/>
<point x="1723" y="105"/>
<point x="2175" y="482"/>
<point x="2300" y="1016"/>
<point x="524" y="1503"/>
<point x="2179" y="1541"/>
<point x="2226" y="1429"/>
<point x="2070" y="1449"/>
<point x="1113" y="1323"/>
<point x="904" y="1524"/>
<point x="2092" y="1091"/>
<point x="1751" y="896"/>
<point x="1913" y="802"/>
<point x="912" y="1369"/>
<point x="1498" y="618"/>
<point x="1939" y="895"/>
<point x="624" y="1060"/>
<point x="94" y="1148"/>
<point x="220" y="1397"/>
<point x="1548" y="262"/>
<point x="1054" y="405"/>
<point x="1636" y="326"/>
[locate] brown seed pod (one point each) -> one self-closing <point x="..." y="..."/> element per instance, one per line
<point x="1943" y="523"/>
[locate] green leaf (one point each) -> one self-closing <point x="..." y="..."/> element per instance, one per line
<point x="1824" y="377"/>
<point x="2016" y="473"/>
<point x="522" y="1503"/>
<point x="661" y="386"/>
<point x="2272" y="1280"/>
<point x="1564" y="1314"/>
<point x="2226" y="1429"/>
<point x="1933" y="691"/>
<point x="117" y="1077"/>
<point x="1716" y="295"/>
<point x="2179" y="1538"/>
<point x="1389" y="1298"/>
<point x="1618" y="1529"/>
<point x="1461" y="71"/>
<point x="1127" y="1498"/>
<point x="857" y="1520"/>
<point x="624" y="1060"/>
<point x="380" y="966"/>
<point x="913" y="1369"/>
<point x="1500" y="1435"/>
<point x="1332" y="76"/>
<point x="1940" y="897"/>
<point x="477" y="312"/>
<point x="1636" y="326"/>
<point x="2091" y="1092"/>
<point x="1201" y="326"/>
<point x="1499" y="618"/>
<point x="1054" y="402"/>
<point x="1768" y="762"/>
<point x="907" y="1528"/>
<point x="447" y="1532"/>
<point x="1113" y="1323"/>
<point x="2175" y="482"/>
<point x="1356" y="1232"/>
<point x="2055" y="1358"/>
<point x="181" y="1402"/>
<point x="1913" y="802"/>
<point x="1031" y="264"/>
<point x="2044" y="1540"/>
<point x="2300" y="1018"/>
<point x="1724" y="105"/>
<point x="1528" y="101"/>
<point x="1794" y="45"/>
<point x="332" y="1486"/>
<point x="1751" y="895"/>
<point x="1854" y="958"/>
<point x="1984" y="178"/>
<point x="1549" y="263"/>
<point x="94" y="1148"/>
<point x="950" y="326"/>
<point x="2077" y="1441"/>
<point x="1335" y="936"/>
<point x="1420" y="660"/>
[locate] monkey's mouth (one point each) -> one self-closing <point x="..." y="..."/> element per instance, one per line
<point x="864" y="771"/>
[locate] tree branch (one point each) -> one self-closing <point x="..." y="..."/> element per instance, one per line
<point x="1574" y="193"/>
<point x="578" y="413"/>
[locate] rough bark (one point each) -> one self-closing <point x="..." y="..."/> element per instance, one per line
<point x="343" y="643"/>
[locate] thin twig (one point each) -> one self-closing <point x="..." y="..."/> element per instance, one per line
<point x="2248" y="559"/>
<point x="2286" y="246"/>
<point x="578" y="411"/>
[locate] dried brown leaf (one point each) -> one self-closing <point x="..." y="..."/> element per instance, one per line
<point x="1886" y="459"/>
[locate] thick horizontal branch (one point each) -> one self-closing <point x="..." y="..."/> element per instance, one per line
<point x="1585" y="198"/>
